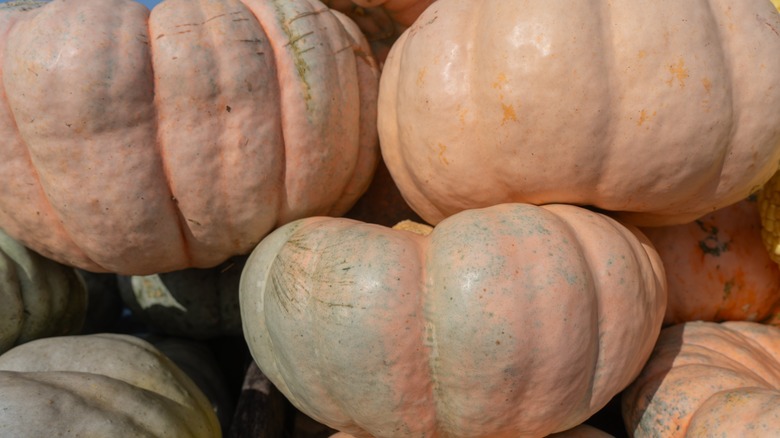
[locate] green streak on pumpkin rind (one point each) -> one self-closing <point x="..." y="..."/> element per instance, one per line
<point x="23" y="5"/>
<point x="298" y="60"/>
<point x="711" y="244"/>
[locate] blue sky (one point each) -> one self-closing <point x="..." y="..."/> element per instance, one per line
<point x="149" y="3"/>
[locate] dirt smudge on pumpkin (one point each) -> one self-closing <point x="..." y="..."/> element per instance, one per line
<point x="679" y="72"/>
<point x="442" y="150"/>
<point x="644" y="116"/>
<point x="421" y="76"/>
<point x="509" y="113"/>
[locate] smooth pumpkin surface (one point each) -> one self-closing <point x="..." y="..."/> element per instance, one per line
<point x="717" y="268"/>
<point x="708" y="379"/>
<point x="139" y="143"/>
<point x="200" y="364"/>
<point x="663" y="111"/>
<point x="508" y="321"/>
<point x="106" y="385"/>
<point x="38" y="296"/>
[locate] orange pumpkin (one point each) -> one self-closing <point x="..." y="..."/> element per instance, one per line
<point x="708" y="379"/>
<point x="513" y="320"/>
<point x="138" y="142"/>
<point x="717" y="268"/>
<point x="663" y="110"/>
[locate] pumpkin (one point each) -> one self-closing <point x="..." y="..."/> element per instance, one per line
<point x="708" y="379"/>
<point x="200" y="364"/>
<point x="717" y="268"/>
<point x="581" y="431"/>
<point x="40" y="297"/>
<point x="99" y="385"/>
<point x="140" y="143"/>
<point x="381" y="21"/>
<point x="379" y="29"/>
<point x="191" y="303"/>
<point x="504" y="321"/>
<point x="659" y="111"/>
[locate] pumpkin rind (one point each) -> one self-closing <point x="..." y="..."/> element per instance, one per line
<point x="505" y="321"/>
<point x="39" y="297"/>
<point x="99" y="385"/>
<point x="185" y="134"/>
<point x="664" y="111"/>
<point x="716" y="267"/>
<point x="708" y="379"/>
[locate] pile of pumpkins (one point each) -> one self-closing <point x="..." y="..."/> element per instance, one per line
<point x="420" y="218"/>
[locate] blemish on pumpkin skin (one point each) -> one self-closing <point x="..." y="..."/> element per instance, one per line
<point x="644" y="116"/>
<point x="509" y="113"/>
<point x="679" y="72"/>
<point x="707" y="84"/>
<point x="421" y="76"/>
<point x="442" y="150"/>
<point x="501" y="80"/>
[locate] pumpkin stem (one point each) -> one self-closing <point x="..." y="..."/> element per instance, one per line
<point x="414" y="227"/>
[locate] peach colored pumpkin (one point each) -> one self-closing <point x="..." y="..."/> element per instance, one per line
<point x="581" y="431"/>
<point x="708" y="379"/>
<point x="142" y="143"/>
<point x="717" y="268"/>
<point x="662" y="110"/>
<point x="513" y="320"/>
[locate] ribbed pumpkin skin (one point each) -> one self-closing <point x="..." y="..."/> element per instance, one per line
<point x="138" y="143"/>
<point x="717" y="268"/>
<point x="104" y="385"/>
<point x="663" y="110"/>
<point x="508" y="321"/>
<point x="708" y="379"/>
<point x="38" y="297"/>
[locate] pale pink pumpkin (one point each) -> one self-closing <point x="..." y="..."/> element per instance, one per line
<point x="717" y="268"/>
<point x="142" y="143"/>
<point x="664" y="110"/>
<point x="708" y="379"/>
<point x="513" y="320"/>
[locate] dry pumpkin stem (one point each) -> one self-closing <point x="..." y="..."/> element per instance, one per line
<point x="414" y="227"/>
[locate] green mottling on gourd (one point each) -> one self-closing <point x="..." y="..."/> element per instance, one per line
<point x="711" y="244"/>
<point x="301" y="66"/>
